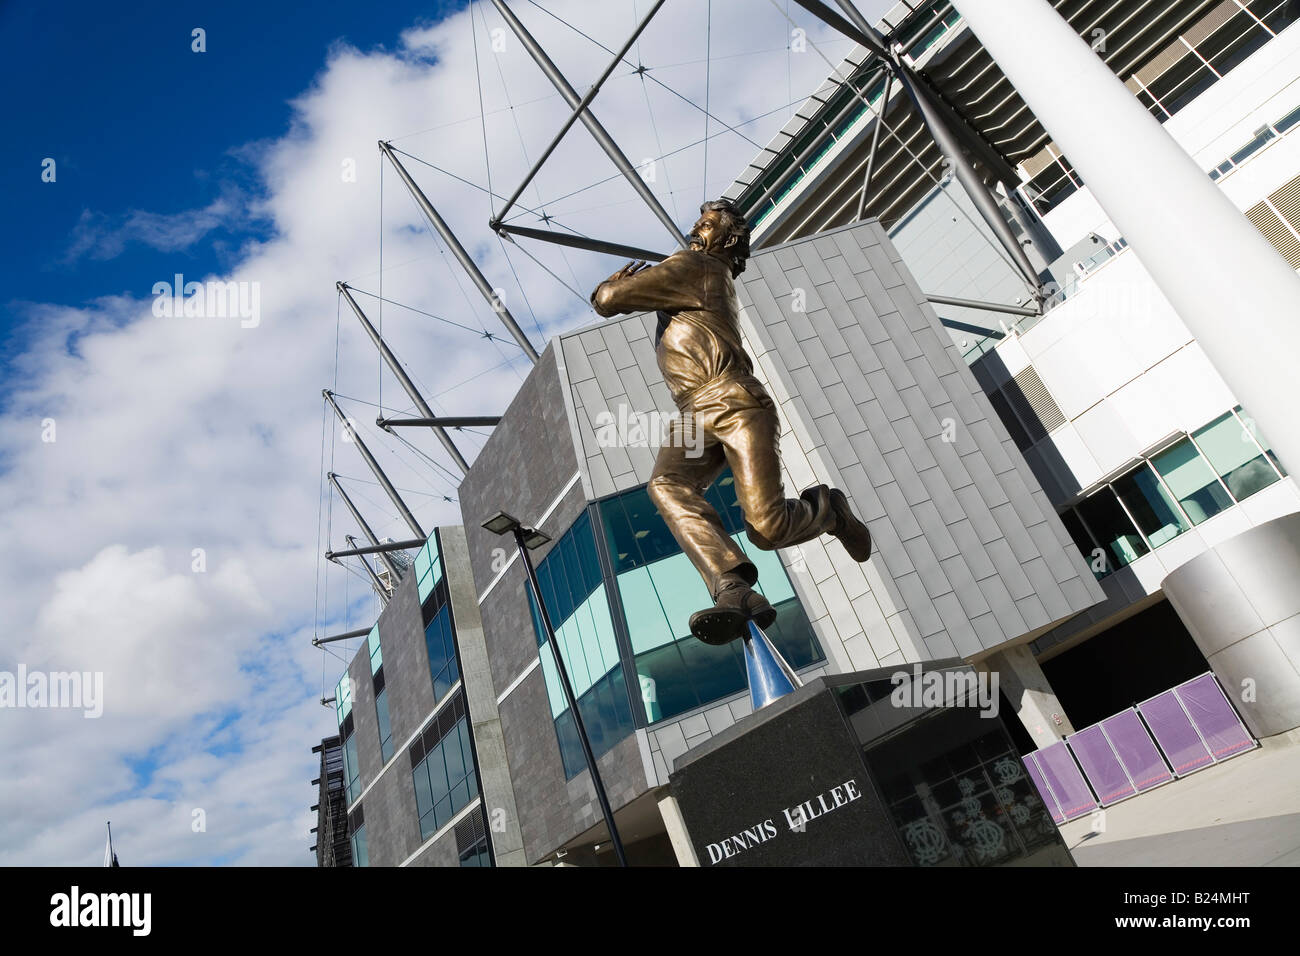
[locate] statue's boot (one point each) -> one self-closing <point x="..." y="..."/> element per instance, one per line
<point x="736" y="603"/>
<point x="852" y="533"/>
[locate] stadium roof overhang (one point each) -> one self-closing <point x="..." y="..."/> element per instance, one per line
<point x="822" y="155"/>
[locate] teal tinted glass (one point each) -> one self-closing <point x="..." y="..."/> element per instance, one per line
<point x="360" y="852"/>
<point x="1150" y="505"/>
<point x="343" y="698"/>
<point x="385" y="725"/>
<point x="376" y="654"/>
<point x="659" y="589"/>
<point x="1235" y="456"/>
<point x="1192" y="482"/>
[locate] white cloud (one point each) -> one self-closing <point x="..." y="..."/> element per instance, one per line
<point x="99" y="236"/>
<point x="175" y="434"/>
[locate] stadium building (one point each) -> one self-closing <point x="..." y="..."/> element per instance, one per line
<point x="1062" y="488"/>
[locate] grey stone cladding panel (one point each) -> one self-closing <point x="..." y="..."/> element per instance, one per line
<point x="523" y="468"/>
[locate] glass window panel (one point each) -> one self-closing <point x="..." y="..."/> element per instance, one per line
<point x="422" y="561"/>
<point x="1255" y="145"/>
<point x="1182" y="83"/>
<point x="1192" y="482"/>
<point x="459" y="797"/>
<point x="435" y="573"/>
<point x="574" y="594"/>
<point x="554" y="692"/>
<point x="1150" y="505"/>
<point x="385" y="727"/>
<point x="462" y="731"/>
<point x="1277" y="14"/>
<point x="360" y="852"/>
<point x="570" y="747"/>
<point x="678" y="593"/>
<point x="436" y="642"/>
<point x="546" y="572"/>
<point x="585" y="619"/>
<point x="591" y="577"/>
<point x="574" y="662"/>
<point x="1235" y="456"/>
<point x="1232" y="43"/>
<point x="1288" y="121"/>
<point x="634" y="532"/>
<point x="605" y="712"/>
<point x="603" y="622"/>
<point x="345" y="693"/>
<point x="793" y="636"/>
<point x="715" y="672"/>
<point x="423" y="795"/>
<point x="351" y="769"/>
<point x="454" y="755"/>
<point x="442" y="683"/>
<point x="666" y="688"/>
<point x="438" y="784"/>
<point x="1112" y="527"/>
<point x="1249" y="424"/>
<point x="773" y="582"/>
<point x="442" y="812"/>
<point x="646" y="620"/>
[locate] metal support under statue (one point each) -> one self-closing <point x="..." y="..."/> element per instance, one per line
<point x="770" y="677"/>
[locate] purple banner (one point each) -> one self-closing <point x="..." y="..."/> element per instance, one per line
<point x="1100" y="765"/>
<point x="1065" y="781"/>
<point x="1175" y="733"/>
<point x="1049" y="801"/>
<point x="1214" y="717"/>
<point x="1135" y="749"/>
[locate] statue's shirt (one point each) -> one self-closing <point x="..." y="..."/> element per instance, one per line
<point x="701" y="343"/>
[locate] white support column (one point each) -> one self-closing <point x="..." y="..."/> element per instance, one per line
<point x="676" y="828"/>
<point x="1236" y="294"/>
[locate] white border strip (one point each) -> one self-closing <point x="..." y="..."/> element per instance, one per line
<point x="437" y="709"/>
<point x="464" y="812"/>
<point x="577" y="475"/>
<point x="520" y="679"/>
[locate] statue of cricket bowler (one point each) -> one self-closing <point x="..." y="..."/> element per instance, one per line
<point x="711" y="380"/>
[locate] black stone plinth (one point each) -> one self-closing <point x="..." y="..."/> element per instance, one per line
<point x="849" y="770"/>
<point x="740" y="792"/>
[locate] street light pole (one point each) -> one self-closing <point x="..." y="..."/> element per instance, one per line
<point x="569" y="698"/>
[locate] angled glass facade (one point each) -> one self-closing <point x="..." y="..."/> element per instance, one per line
<point x="1191" y="481"/>
<point x="574" y="591"/>
<point x="442" y="768"/>
<point x="620" y="594"/>
<point x="439" y="633"/>
<point x="659" y="589"/>
<point x="347" y="727"/>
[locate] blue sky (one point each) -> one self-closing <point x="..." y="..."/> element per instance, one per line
<point x="161" y="475"/>
<point x="136" y="120"/>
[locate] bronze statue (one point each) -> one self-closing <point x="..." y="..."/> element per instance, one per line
<point x="711" y="380"/>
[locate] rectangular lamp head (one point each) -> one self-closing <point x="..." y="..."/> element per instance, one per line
<point x="501" y="523"/>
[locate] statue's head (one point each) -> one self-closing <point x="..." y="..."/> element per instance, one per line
<point x="722" y="230"/>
